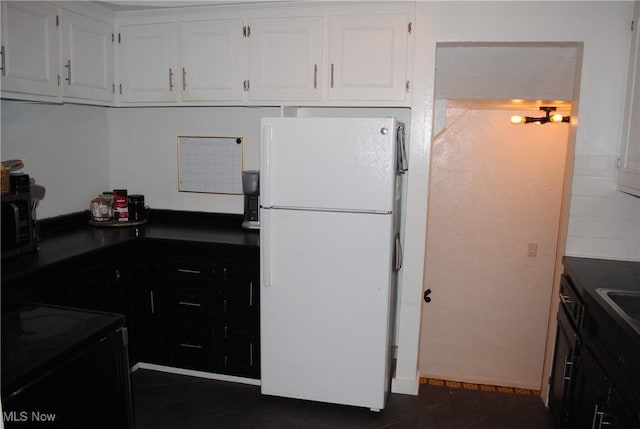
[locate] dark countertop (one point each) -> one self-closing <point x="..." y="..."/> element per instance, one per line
<point x="591" y="274"/>
<point x="71" y="235"/>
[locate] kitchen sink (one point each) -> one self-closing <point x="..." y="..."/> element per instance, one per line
<point x="625" y="303"/>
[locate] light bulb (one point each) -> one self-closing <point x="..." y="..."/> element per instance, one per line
<point x="516" y="119"/>
<point x="556" y="117"/>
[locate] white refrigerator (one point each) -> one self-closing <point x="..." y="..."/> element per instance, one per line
<point x="329" y="255"/>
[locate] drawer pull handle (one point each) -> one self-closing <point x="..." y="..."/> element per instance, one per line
<point x="568" y="366"/>
<point x="190" y="304"/>
<point x="188" y="271"/>
<point x="191" y="346"/>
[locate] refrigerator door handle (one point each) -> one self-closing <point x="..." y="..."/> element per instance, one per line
<point x="265" y="167"/>
<point x="264" y="248"/>
<point x="403" y="163"/>
<point x="398" y="254"/>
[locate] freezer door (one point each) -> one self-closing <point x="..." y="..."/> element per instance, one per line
<point x="325" y="306"/>
<point x="328" y="163"/>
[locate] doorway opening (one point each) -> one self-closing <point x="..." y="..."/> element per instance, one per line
<point x="497" y="204"/>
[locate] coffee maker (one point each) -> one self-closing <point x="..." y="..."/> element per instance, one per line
<point x="251" y="189"/>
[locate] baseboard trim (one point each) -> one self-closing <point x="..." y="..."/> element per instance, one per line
<point x="405" y="386"/>
<point x="194" y="373"/>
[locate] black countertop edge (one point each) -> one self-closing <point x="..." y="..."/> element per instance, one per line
<point x="53" y="225"/>
<point x="70" y="236"/>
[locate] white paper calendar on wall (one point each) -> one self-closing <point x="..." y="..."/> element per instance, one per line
<point x="210" y="164"/>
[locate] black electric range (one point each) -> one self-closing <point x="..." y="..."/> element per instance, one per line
<point x="65" y="365"/>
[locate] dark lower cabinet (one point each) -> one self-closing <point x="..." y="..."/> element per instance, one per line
<point x="563" y="372"/>
<point x="582" y="393"/>
<point x="93" y="284"/>
<point x="591" y="397"/>
<point x="240" y="351"/>
<point x="209" y="308"/>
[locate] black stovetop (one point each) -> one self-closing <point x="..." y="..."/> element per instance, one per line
<point x="37" y="338"/>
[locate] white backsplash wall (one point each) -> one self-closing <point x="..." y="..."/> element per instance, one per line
<point x="603" y="223"/>
<point x="143" y="151"/>
<point x="64" y="147"/>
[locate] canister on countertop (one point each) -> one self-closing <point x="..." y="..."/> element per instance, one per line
<point x="137" y="210"/>
<point x="120" y="205"/>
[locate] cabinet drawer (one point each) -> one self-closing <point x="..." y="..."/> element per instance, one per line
<point x="193" y="273"/>
<point x="192" y="347"/>
<point x="190" y="301"/>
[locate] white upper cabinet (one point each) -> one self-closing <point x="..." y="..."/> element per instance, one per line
<point x="87" y="57"/>
<point x="30" y="61"/>
<point x="213" y="60"/>
<point x="148" y="63"/>
<point x="629" y="171"/>
<point x="286" y="58"/>
<point x="368" y="57"/>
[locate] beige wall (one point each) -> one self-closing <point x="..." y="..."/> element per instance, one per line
<point x="495" y="188"/>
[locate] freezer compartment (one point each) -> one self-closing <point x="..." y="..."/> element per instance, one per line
<point x="329" y="163"/>
<point x="325" y="306"/>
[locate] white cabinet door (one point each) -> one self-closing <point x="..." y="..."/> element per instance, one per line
<point x="213" y="60"/>
<point x="368" y="57"/>
<point x="285" y="58"/>
<point x="87" y="57"/>
<point x="149" y="63"/>
<point x="30" y="48"/>
<point x="629" y="172"/>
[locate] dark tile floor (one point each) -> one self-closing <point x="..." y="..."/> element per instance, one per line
<point x="174" y="401"/>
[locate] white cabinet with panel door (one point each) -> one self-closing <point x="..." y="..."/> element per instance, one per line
<point x="368" y="57"/>
<point x="87" y="57"/>
<point x="629" y="163"/>
<point x="286" y="58"/>
<point x="30" y="44"/>
<point x="213" y="60"/>
<point x="148" y="63"/>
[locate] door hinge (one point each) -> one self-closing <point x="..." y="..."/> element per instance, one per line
<point x="117" y="275"/>
<point x="246" y="31"/>
<point x="57" y="21"/>
<point x="619" y="163"/>
<point x="113" y="88"/>
<point x="113" y="37"/>
<point x="632" y="25"/>
<point x="407" y="86"/>
<point x="120" y="89"/>
<point x="245" y="85"/>
<point x="119" y="38"/>
<point x="410" y="27"/>
<point x="58" y="80"/>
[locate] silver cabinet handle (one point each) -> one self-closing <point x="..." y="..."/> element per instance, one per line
<point x="315" y="76"/>
<point x="170" y="79"/>
<point x="332" y="75"/>
<point x="190" y="304"/>
<point x="188" y="271"/>
<point x="250" y="294"/>
<point x="68" y="66"/>
<point x="568" y="365"/>
<point x="250" y="354"/>
<point x="153" y="306"/>
<point x="191" y="346"/>
<point x="184" y="79"/>
<point x="2" y="54"/>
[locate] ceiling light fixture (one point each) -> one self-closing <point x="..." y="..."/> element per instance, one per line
<point x="548" y="117"/>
